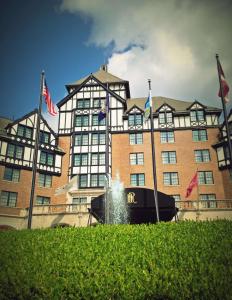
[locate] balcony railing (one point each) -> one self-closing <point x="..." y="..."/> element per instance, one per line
<point x="204" y="204"/>
<point x="83" y="208"/>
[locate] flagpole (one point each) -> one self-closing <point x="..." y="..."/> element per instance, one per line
<point x="225" y="115"/>
<point x="198" y="198"/>
<point x="35" y="156"/>
<point x="153" y="156"/>
<point x="107" y="213"/>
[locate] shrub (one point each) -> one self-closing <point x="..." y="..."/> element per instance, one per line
<point x="186" y="260"/>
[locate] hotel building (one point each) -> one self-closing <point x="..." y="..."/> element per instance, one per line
<point x="188" y="139"/>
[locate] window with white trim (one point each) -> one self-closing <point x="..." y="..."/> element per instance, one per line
<point x="170" y="178"/>
<point x="11" y="174"/>
<point x="137" y="179"/>
<point x="168" y="157"/>
<point x="8" y="199"/>
<point x="136" y="138"/>
<point x="136" y="158"/>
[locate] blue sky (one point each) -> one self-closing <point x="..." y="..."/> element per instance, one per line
<point x="172" y="42"/>
<point x="36" y="36"/>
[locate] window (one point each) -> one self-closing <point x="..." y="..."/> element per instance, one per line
<point x="14" y="151"/>
<point x="167" y="137"/>
<point x="81" y="120"/>
<point x="199" y="135"/>
<point x="79" y="200"/>
<point x="137" y="179"/>
<point x="96" y="122"/>
<point x="176" y="197"/>
<point x="169" y="157"/>
<point x="197" y="115"/>
<point x="24" y="131"/>
<point x="45" y="180"/>
<point x="136" y="138"/>
<point x="99" y="102"/>
<point x="41" y="200"/>
<point x="8" y="199"/>
<point x="11" y="174"/>
<point x="98" y="159"/>
<point x="98" y="139"/>
<point x="81" y="159"/>
<point x="165" y="117"/>
<point x="171" y="178"/>
<point x="205" y="177"/>
<point x="81" y="139"/>
<point x="83" y="180"/>
<point x="44" y="137"/>
<point x="46" y="158"/>
<point x="83" y="103"/>
<point x="97" y="180"/>
<point x="135" y="119"/>
<point x="136" y="158"/>
<point x="210" y="200"/>
<point x="202" y="155"/>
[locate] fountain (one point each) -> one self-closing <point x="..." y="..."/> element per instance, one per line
<point x="135" y="205"/>
<point x="118" y="210"/>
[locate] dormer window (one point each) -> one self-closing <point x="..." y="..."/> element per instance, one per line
<point x="135" y="119"/>
<point x="197" y="115"/>
<point x="83" y="103"/>
<point x="165" y="117"/>
<point x="24" y="131"/>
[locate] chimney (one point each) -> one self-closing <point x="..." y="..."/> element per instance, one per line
<point x="104" y="68"/>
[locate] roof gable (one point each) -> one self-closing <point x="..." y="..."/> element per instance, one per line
<point x="196" y="105"/>
<point x="135" y="109"/>
<point x="101" y="75"/>
<point x="165" y="107"/>
<point x="91" y="80"/>
<point x="30" y="122"/>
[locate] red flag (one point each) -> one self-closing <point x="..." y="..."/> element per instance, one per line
<point x="193" y="183"/>
<point x="48" y="100"/>
<point x="225" y="87"/>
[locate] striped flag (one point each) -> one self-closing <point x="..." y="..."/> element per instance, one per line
<point x="147" y="106"/>
<point x="48" y="100"/>
<point x="224" y="90"/>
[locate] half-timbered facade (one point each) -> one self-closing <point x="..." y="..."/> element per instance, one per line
<point x="223" y="157"/>
<point x="17" y="141"/>
<point x="184" y="132"/>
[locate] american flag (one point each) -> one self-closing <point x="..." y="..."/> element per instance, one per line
<point x="48" y="100"/>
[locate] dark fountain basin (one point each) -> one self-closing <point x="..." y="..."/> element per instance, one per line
<point x="141" y="206"/>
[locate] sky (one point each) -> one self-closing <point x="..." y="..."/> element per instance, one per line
<point x="171" y="42"/>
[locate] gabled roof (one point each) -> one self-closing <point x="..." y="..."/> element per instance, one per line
<point x="197" y="102"/>
<point x="159" y="101"/>
<point x="102" y="76"/>
<point x="134" y="106"/>
<point x="35" y="111"/>
<point x="79" y="87"/>
<point x="3" y="124"/>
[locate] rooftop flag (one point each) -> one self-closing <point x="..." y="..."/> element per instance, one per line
<point x="147" y="106"/>
<point x="48" y="100"/>
<point x="224" y="89"/>
<point x="193" y="183"/>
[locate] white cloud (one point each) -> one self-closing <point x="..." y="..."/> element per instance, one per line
<point x="172" y="42"/>
<point x="52" y="120"/>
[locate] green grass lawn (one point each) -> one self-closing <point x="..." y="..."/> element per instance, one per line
<point x="185" y="260"/>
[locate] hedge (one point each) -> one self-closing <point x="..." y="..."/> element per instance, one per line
<point x="185" y="260"/>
